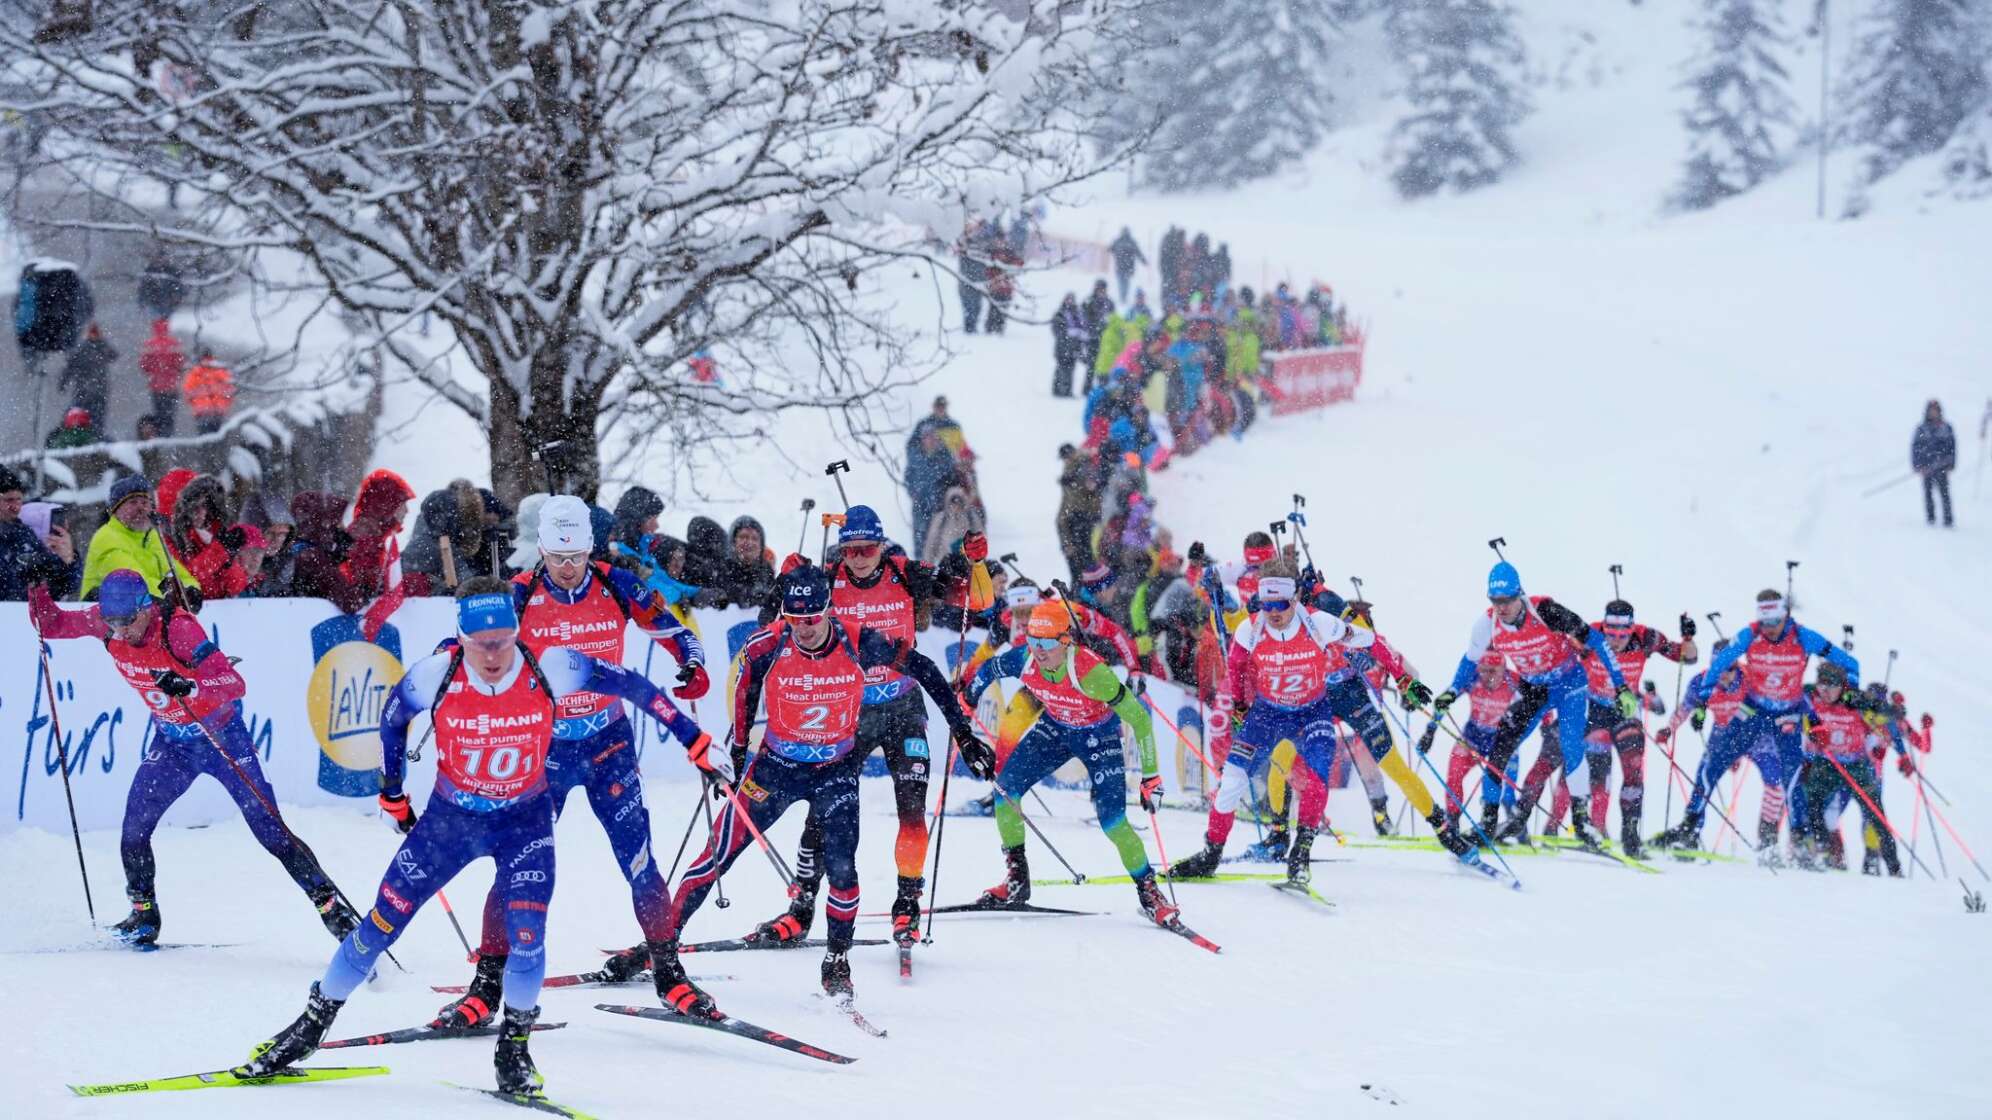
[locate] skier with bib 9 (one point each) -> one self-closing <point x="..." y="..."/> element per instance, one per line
<point x="494" y="705"/>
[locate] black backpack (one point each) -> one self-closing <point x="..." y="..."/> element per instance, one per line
<point x="51" y="307"/>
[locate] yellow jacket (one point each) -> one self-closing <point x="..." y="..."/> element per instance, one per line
<point x="115" y="546"/>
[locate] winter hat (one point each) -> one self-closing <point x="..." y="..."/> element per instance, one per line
<point x="380" y="492"/>
<point x="123" y="594"/>
<point x="252" y="537"/>
<point x="1831" y="674"/>
<point x="1771" y="606"/>
<point x="1618" y="616"/>
<point x="76" y="417"/>
<point x="860" y="524"/>
<point x="491" y="610"/>
<point x="1049" y="619"/>
<point x="1503" y="581"/>
<point x="806" y="591"/>
<point x="130" y="486"/>
<point x="564" y="525"/>
<point x="167" y="497"/>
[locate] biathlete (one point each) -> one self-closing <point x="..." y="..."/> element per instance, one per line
<point x="568" y="602"/>
<point x="1084" y="705"/>
<point x="195" y="697"/>
<point x="810" y="671"/>
<point x="494" y="705"/>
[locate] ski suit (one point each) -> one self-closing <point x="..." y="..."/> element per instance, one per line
<point x="490" y="798"/>
<point x="812" y="750"/>
<point x="187" y="738"/>
<point x="1489" y="704"/>
<point x="1607" y="728"/>
<point x="594" y="746"/>
<point x="1084" y="706"/>
<point x="1844" y="732"/>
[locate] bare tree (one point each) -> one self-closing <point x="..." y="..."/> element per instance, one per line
<point x="586" y="193"/>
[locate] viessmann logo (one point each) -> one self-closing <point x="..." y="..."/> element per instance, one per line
<point x="485" y="723"/>
<point x="568" y="630"/>
<point x="810" y="682"/>
<point x="1280" y="659"/>
<point x="865" y="610"/>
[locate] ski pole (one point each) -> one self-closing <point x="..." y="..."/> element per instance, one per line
<point x="1966" y="848"/>
<point x="719" y="881"/>
<point x="691" y="823"/>
<point x="1155" y="826"/>
<point x="1889" y="485"/>
<point x="1404" y="725"/>
<point x="1686" y="777"/>
<point x="1916" y="826"/>
<point x="732" y="796"/>
<point x="449" y="911"/>
<point x="802" y="538"/>
<point x="1179" y="733"/>
<point x="940" y="833"/>
<point x="1299" y="520"/>
<point x="62" y="760"/>
<point x="830" y="519"/>
<point x="1078" y="877"/>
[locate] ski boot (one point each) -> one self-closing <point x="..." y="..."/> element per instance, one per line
<point x="1299" y="865"/>
<point x="1805" y="855"/>
<point x="793" y="924"/>
<point x="1200" y="866"/>
<point x="1490" y="823"/>
<point x="1015" y="888"/>
<point x="1687" y="834"/>
<point x="296" y="1042"/>
<point x="906" y="911"/>
<point x="674" y="988"/>
<point x="837" y="975"/>
<point x="1836" y="853"/>
<point x="516" y="1073"/>
<point x="1580" y="827"/>
<point x="479" y="1004"/>
<point x="338" y="917"/>
<point x="1153" y="903"/>
<point x="626" y="965"/>
<point x="1447" y="835"/>
<point x="1516" y="829"/>
<point x="1871" y="863"/>
<point x="984" y="806"/>
<point x="1272" y="849"/>
<point x="1629" y="839"/>
<point x="141" y="928"/>
<point x="1380" y="815"/>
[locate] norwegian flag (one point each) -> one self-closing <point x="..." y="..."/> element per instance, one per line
<point x="377" y="612"/>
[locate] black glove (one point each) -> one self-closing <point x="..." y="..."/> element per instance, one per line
<point x="1687" y="626"/>
<point x="1443" y="701"/>
<point x="1697" y="717"/>
<point x="739" y="752"/>
<point x="173" y="684"/>
<point x="975" y="754"/>
<point x="1425" y="740"/>
<point x="233" y="538"/>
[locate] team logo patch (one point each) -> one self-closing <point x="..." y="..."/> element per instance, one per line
<point x="615" y="789"/>
<point x="395" y="900"/>
<point x="526" y="904"/>
<point x="752" y="790"/>
<point x="526" y="936"/>
<point x="379" y="921"/>
<point x="405" y="860"/>
<point x="916" y="748"/>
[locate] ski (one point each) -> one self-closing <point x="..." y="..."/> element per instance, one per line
<point x="1176" y="926"/>
<point x="424" y="1034"/>
<point x="1472" y="860"/>
<point x="732" y="944"/>
<point x="1694" y="855"/>
<point x="1302" y="891"/>
<point x="1379" y="1093"/>
<point x="590" y="979"/>
<point x="1282" y="860"/>
<point x="730" y="1025"/>
<point x="534" y="1101"/>
<point x="100" y="946"/>
<point x="849" y="1007"/>
<point x="1009" y="908"/>
<point x="227" y="1079"/>
<point x="906" y="960"/>
<point x="1604" y="849"/>
<point x="1124" y="880"/>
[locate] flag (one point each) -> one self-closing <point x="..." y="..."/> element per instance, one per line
<point x="377" y="612"/>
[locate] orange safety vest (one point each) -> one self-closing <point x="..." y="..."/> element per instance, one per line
<point x="210" y="389"/>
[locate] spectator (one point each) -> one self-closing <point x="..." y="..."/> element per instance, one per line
<point x="1068" y="346"/>
<point x="318" y="552"/>
<point x="162" y="361"/>
<point x="1220" y="265"/>
<point x="930" y="471"/>
<point x="146" y="429"/>
<point x="468" y="518"/>
<point x="246" y="575"/>
<point x="747" y="578"/>
<point x="273" y="519"/>
<point x="973" y="269"/>
<point x="705" y="560"/>
<point x="1165" y="570"/>
<point x="1933" y="454"/>
<point x="126" y="540"/>
<point x="1080" y="480"/>
<point x="1095" y="312"/>
<point x="160" y="288"/>
<point x="196" y="511"/>
<point x="379" y="511"/>
<point x="210" y="389"/>
<point x="1127" y="254"/>
<point x="946" y="426"/>
<point x="956" y="518"/>
<point x="1168" y="261"/>
<point x="602" y="530"/>
<point x="76" y="430"/>
<point x="88" y="371"/>
<point x="1002" y="285"/>
<point x="34" y="545"/>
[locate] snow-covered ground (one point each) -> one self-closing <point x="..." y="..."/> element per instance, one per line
<point x="1699" y="399"/>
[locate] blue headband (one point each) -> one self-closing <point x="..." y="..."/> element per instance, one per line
<point x="491" y="611"/>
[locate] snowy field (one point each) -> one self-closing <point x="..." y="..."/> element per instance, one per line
<point x="1697" y="399"/>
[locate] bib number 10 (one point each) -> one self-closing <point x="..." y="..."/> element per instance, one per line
<point x="499" y="765"/>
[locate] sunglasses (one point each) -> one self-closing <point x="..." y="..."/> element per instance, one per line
<point x="1046" y="644"/>
<point x="1275" y="604"/>
<point x="1502" y="600"/>
<point x="807" y="619"/>
<point x="564" y="559"/>
<point x="865" y="548"/>
<point x="120" y="623"/>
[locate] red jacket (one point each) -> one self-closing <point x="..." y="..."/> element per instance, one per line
<point x="161" y="359"/>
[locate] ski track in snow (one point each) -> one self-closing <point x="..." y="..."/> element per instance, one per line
<point x="1696" y="398"/>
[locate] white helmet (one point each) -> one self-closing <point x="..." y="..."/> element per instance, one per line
<point x="564" y="525"/>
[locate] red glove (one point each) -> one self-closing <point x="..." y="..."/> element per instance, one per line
<point x="975" y="546"/>
<point x="396" y="805"/>
<point x="1929" y="720"/>
<point x="1151" y="792"/>
<point x="717" y="763"/>
<point x="1664" y="735"/>
<point x="1907" y="767"/>
<point x="1879" y="754"/>
<point x="793" y="561"/>
<point x="693" y="683"/>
